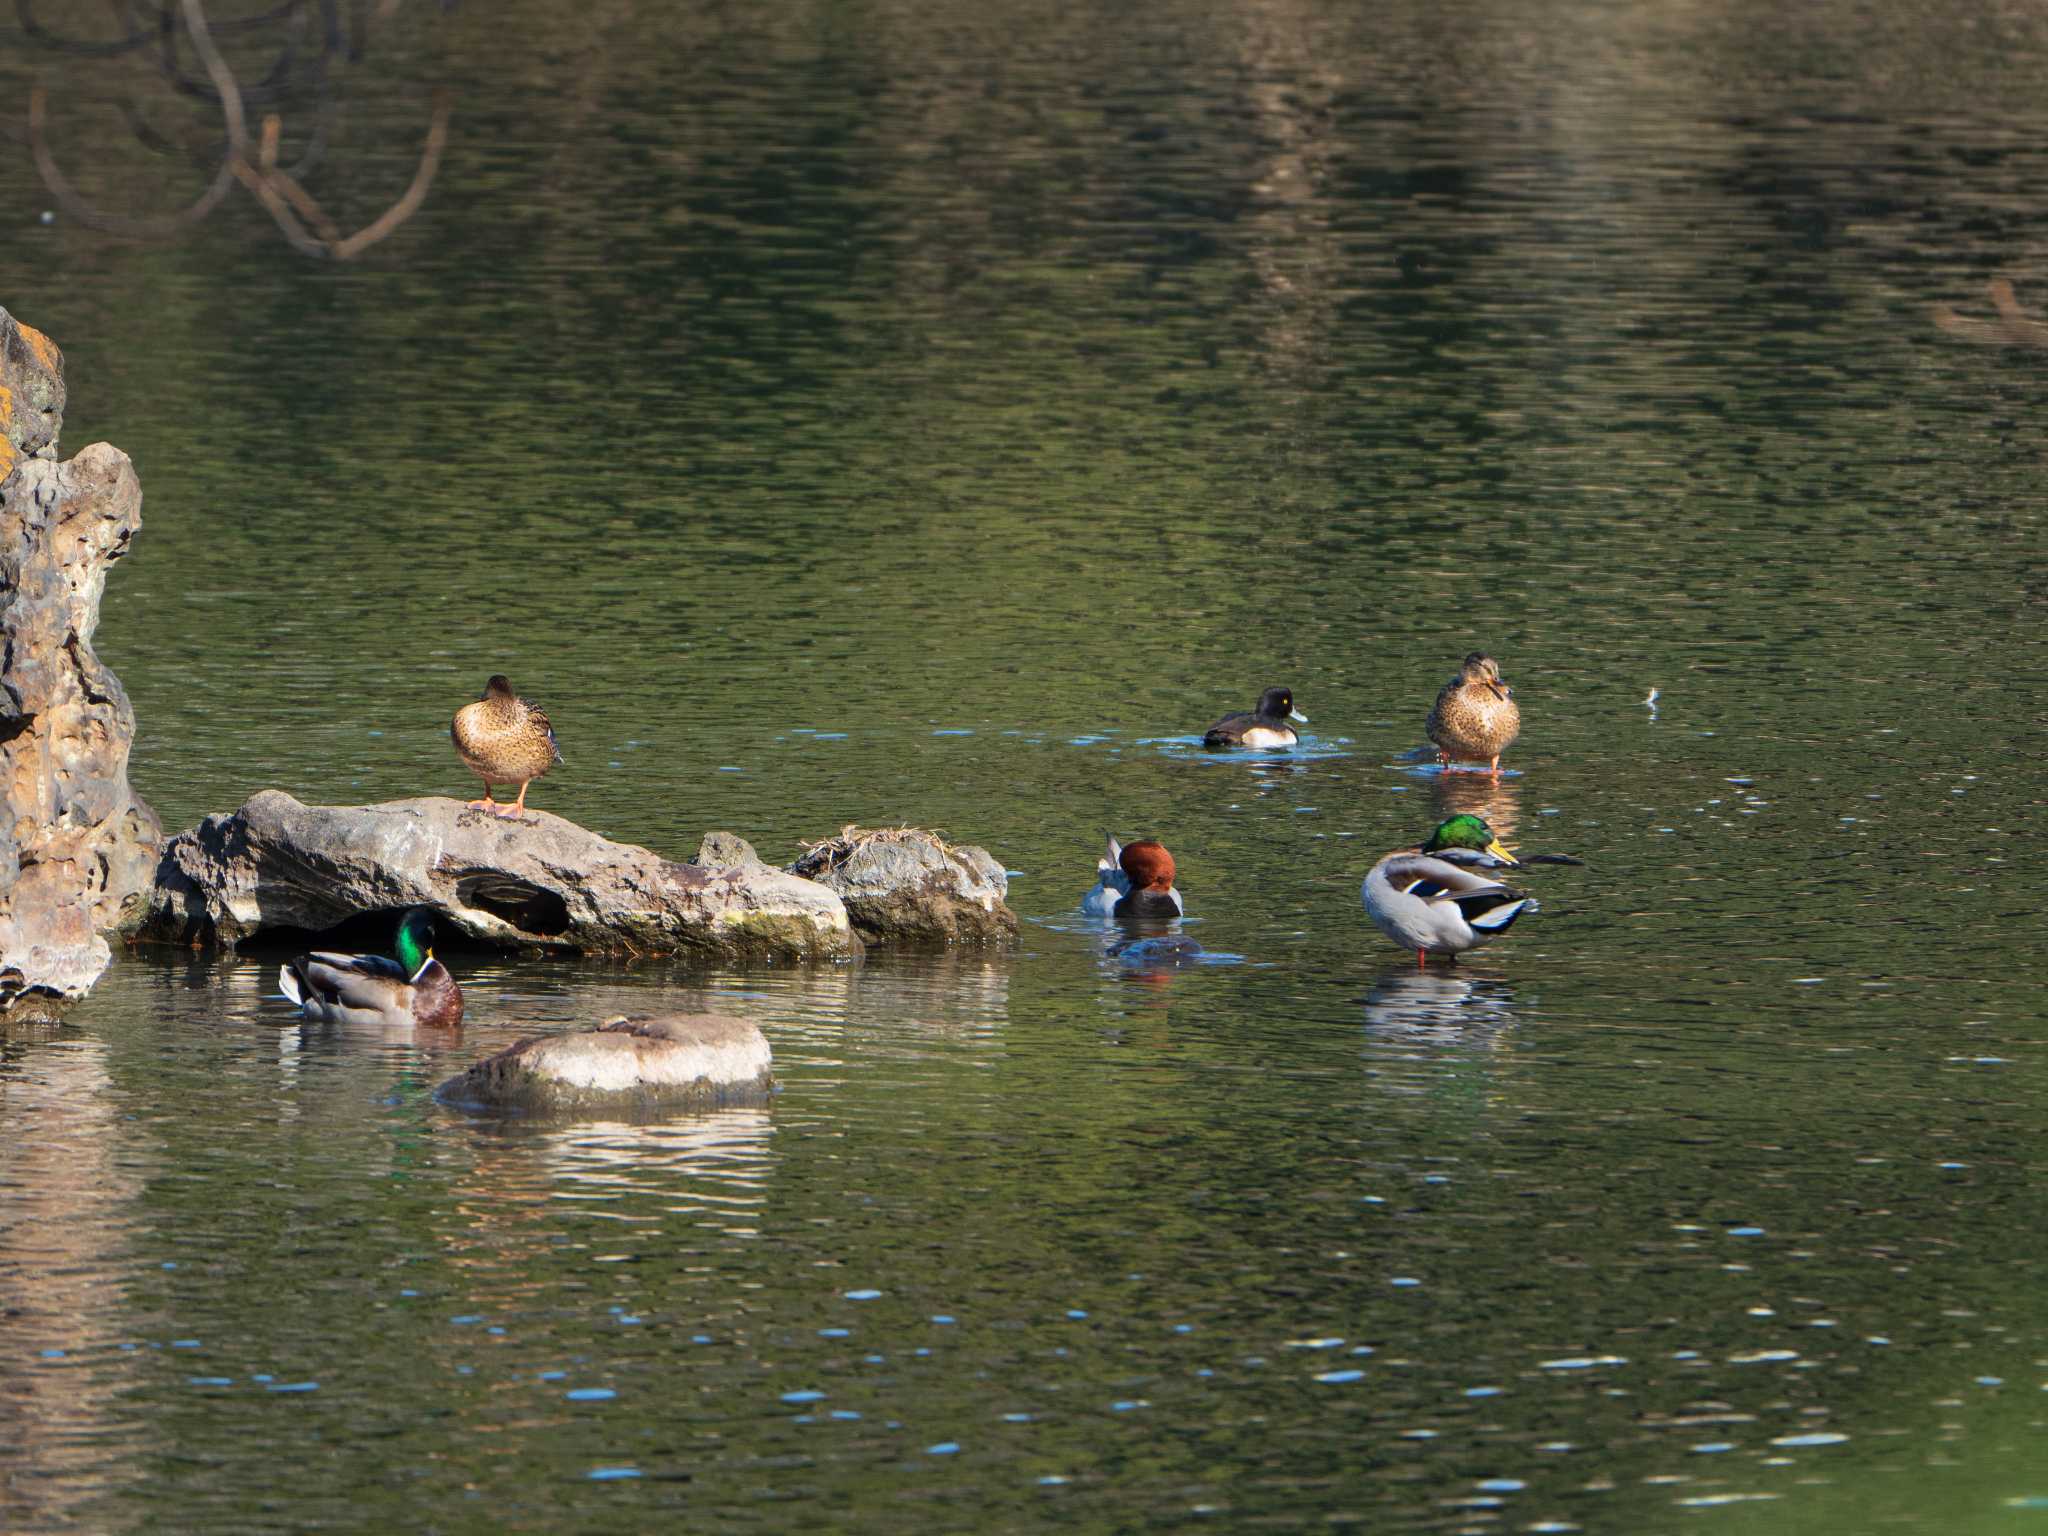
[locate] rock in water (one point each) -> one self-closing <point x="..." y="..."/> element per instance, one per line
<point x="540" y="881"/>
<point x="77" y="845"/>
<point x="665" y="1061"/>
<point x="725" y="850"/>
<point x="907" y="885"/>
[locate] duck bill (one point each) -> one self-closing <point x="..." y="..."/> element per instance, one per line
<point x="1297" y="717"/>
<point x="1500" y="691"/>
<point x="1500" y="851"/>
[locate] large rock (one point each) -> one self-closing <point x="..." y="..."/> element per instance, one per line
<point x="667" y="1061"/>
<point x="907" y="885"/>
<point x="77" y="845"/>
<point x="538" y="881"/>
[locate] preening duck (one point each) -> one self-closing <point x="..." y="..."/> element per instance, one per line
<point x="1432" y="900"/>
<point x="369" y="989"/>
<point x="1475" y="718"/>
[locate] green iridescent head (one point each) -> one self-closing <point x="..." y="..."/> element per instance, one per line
<point x="1467" y="831"/>
<point x="415" y="945"/>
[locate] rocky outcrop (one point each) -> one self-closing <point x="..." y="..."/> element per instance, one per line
<point x="536" y="881"/>
<point x="77" y="845"/>
<point x="904" y="885"/>
<point x="725" y="850"/>
<point x="660" y="1062"/>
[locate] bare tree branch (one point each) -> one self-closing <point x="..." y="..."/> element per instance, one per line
<point x="161" y="227"/>
<point x="288" y="203"/>
<point x="414" y="195"/>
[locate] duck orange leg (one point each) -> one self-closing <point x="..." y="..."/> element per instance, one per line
<point x="487" y="803"/>
<point x="1421" y="959"/>
<point x="519" y="805"/>
<point x="1495" y="768"/>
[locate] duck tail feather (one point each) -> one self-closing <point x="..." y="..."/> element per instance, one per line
<point x="1499" y="918"/>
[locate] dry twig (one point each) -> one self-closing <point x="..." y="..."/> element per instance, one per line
<point x="831" y="852"/>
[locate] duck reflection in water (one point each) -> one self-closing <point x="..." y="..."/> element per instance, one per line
<point x="1154" y="956"/>
<point x="1497" y="802"/>
<point x="1405" y="1003"/>
<point x="1134" y="887"/>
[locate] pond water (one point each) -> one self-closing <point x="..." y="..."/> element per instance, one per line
<point x="939" y="413"/>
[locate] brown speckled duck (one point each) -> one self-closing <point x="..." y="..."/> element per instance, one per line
<point x="504" y="740"/>
<point x="1475" y="716"/>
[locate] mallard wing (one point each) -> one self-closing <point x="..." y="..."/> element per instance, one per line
<point x="1438" y="882"/>
<point x="537" y="719"/>
<point x="1435" y="724"/>
<point x="370" y="983"/>
<point x="1432" y="878"/>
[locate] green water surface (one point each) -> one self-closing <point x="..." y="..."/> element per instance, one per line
<point x="939" y="413"/>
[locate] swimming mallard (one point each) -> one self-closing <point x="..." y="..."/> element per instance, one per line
<point x="1475" y="717"/>
<point x="1134" y="880"/>
<point x="1429" y="899"/>
<point x="369" y="989"/>
<point x="1266" y="726"/>
<point x="504" y="740"/>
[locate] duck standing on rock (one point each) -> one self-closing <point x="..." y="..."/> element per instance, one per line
<point x="1266" y="726"/>
<point x="1429" y="899"/>
<point x="1134" y="880"/>
<point x="369" y="989"/>
<point x="504" y="740"/>
<point x="1475" y="718"/>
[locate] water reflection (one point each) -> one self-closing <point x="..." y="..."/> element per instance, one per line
<point x="1497" y="802"/>
<point x="607" y="1191"/>
<point x="1407" y="1004"/>
<point x="713" y="1164"/>
<point x="71" y="1178"/>
<point x="963" y="994"/>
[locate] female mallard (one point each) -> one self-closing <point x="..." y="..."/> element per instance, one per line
<point x="1475" y="716"/>
<point x="1265" y="726"/>
<point x="504" y="740"/>
<point x="1429" y="900"/>
<point x="1133" y="880"/>
<point x="369" y="989"/>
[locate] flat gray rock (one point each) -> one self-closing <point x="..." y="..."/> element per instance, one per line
<point x="904" y="885"/>
<point x="537" y="881"/>
<point x="627" y="1064"/>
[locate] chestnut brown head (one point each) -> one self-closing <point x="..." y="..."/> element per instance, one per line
<point x="1149" y="865"/>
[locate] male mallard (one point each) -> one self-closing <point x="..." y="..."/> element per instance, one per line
<point x="1133" y="880"/>
<point x="504" y="740"/>
<point x="1265" y="726"/>
<point x="1475" y="716"/>
<point x="1429" y="900"/>
<point x="369" y="989"/>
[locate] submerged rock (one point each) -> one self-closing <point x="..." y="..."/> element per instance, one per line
<point x="907" y="885"/>
<point x="76" y="842"/>
<point x="538" y="881"/>
<point x="664" y="1061"/>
